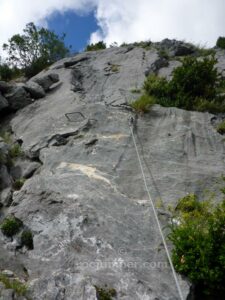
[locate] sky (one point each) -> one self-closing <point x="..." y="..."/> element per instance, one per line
<point x="85" y="21"/>
<point x="77" y="28"/>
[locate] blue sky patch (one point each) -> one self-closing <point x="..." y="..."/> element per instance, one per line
<point x="78" y="28"/>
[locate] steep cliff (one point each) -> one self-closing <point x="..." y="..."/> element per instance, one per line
<point x="85" y="201"/>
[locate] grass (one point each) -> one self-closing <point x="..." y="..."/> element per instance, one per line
<point x="6" y="136"/>
<point x="159" y="203"/>
<point x="15" y="151"/>
<point x="135" y="91"/>
<point x="19" y="288"/>
<point x="221" y="128"/>
<point x="18" y="183"/>
<point x="115" y="68"/>
<point x="143" y="104"/>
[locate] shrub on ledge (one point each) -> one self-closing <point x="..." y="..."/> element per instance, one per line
<point x="195" y="86"/>
<point x="198" y="237"/>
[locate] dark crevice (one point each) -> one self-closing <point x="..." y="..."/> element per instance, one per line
<point x="74" y="62"/>
<point x="77" y="80"/>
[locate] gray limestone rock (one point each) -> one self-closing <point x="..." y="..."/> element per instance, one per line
<point x="176" y="48"/>
<point x="5" y="178"/>
<point x="87" y="205"/>
<point x="5" y="87"/>
<point x="46" y="81"/>
<point x="167" y="71"/>
<point x="18" y="98"/>
<point x="7" y="294"/>
<point x="4" y="148"/>
<point x="6" y="197"/>
<point x="23" y="169"/>
<point x="35" y="90"/>
<point x="8" y="273"/>
<point x="220" y="54"/>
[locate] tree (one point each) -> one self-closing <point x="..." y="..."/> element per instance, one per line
<point x="220" y="43"/>
<point x="35" y="49"/>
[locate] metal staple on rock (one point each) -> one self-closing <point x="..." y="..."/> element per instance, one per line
<point x="131" y="124"/>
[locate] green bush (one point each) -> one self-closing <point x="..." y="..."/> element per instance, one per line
<point x="164" y="54"/>
<point x="94" y="47"/>
<point x="156" y="86"/>
<point x="10" y="226"/>
<point x="27" y="239"/>
<point x="220" y="43"/>
<point x="198" y="237"/>
<point x="143" y="104"/>
<point x="194" y="86"/>
<point x="213" y="106"/>
<point x="105" y="293"/>
<point x="195" y="78"/>
<point x="221" y="127"/>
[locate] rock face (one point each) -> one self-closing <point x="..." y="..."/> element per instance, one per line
<point x="176" y="48"/>
<point x="17" y="96"/>
<point x="46" y="81"/>
<point x="87" y="207"/>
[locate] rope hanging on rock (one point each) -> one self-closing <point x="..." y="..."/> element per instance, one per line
<point x="131" y="124"/>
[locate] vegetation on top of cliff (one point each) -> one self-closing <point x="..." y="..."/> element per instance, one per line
<point x="34" y="50"/>
<point x="220" y="43"/>
<point x="198" y="237"/>
<point x="94" y="47"/>
<point x="195" y="86"/>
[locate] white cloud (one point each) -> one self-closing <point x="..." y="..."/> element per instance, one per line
<point x="200" y="21"/>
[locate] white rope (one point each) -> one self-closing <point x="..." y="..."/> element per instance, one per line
<point x="156" y="216"/>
